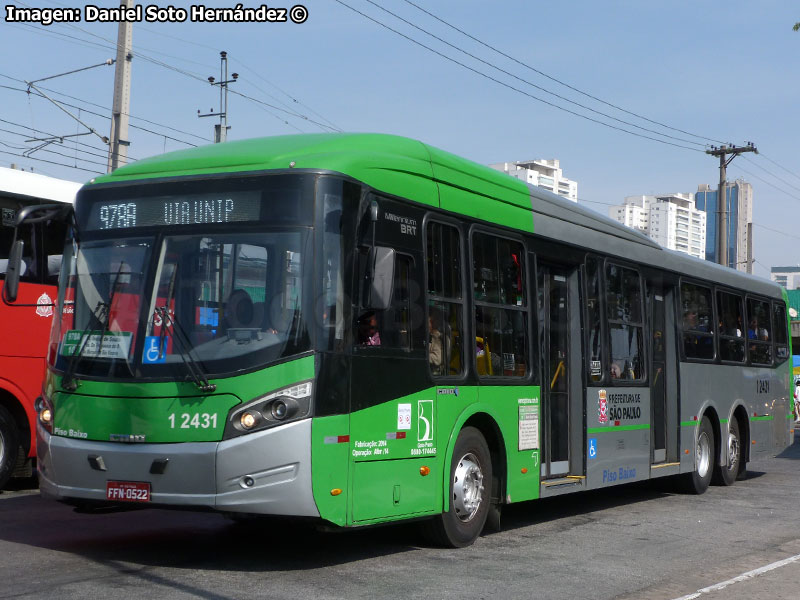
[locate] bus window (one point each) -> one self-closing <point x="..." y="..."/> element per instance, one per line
<point x="759" y="336"/>
<point x="501" y="347"/>
<point x="392" y="327"/>
<point x="730" y="329"/>
<point x="445" y="304"/>
<point x="697" y="316"/>
<point x="624" y="312"/>
<point x="779" y="325"/>
<point x="594" y="318"/>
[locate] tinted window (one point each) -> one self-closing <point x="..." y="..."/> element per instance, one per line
<point x="697" y="317"/>
<point x="501" y="347"/>
<point x="624" y="314"/>
<point x="730" y="328"/>
<point x="759" y="335"/>
<point x="445" y="304"/>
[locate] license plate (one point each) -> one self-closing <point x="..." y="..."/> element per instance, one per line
<point x="128" y="491"/>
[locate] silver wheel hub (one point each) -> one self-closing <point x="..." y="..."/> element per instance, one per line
<point x="467" y="487"/>
<point x="703" y="454"/>
<point x="2" y="448"/>
<point x="733" y="450"/>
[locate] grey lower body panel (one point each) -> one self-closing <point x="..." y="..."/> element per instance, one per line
<point x="268" y="472"/>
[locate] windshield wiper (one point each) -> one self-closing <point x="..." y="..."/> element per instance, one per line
<point x="101" y="312"/>
<point x="179" y="335"/>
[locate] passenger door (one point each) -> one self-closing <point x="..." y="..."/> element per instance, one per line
<point x="554" y="319"/>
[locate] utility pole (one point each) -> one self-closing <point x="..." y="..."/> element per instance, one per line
<point x="722" y="200"/>
<point x="221" y="130"/>
<point x="118" y="146"/>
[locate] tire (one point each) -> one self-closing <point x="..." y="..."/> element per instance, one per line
<point x="732" y="449"/>
<point x="9" y="446"/>
<point x="470" y="493"/>
<point x="698" y="480"/>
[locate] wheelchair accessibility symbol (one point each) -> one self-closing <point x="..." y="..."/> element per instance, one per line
<point x="592" y="448"/>
<point x="151" y="353"/>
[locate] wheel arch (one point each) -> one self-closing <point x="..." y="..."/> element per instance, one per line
<point x="12" y="403"/>
<point x="740" y="414"/>
<point x="497" y="449"/>
<point x="480" y="417"/>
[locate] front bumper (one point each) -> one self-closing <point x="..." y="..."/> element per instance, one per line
<point x="276" y="464"/>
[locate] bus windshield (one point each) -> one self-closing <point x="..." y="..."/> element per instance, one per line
<point x="220" y="302"/>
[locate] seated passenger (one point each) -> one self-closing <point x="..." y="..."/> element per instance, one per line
<point x="435" y="348"/>
<point x="368" y="334"/>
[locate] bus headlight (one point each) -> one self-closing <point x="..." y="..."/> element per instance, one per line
<point x="44" y="410"/>
<point x="276" y="408"/>
<point x="248" y="420"/>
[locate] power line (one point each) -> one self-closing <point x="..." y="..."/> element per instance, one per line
<point x="102" y="116"/>
<point x="772" y="185"/>
<point x="252" y="72"/>
<point x="527" y="82"/>
<point x="95" y="171"/>
<point x="792" y="173"/>
<point x="511" y="87"/>
<point x="26" y="149"/>
<point x="794" y="187"/>
<point x="554" y="79"/>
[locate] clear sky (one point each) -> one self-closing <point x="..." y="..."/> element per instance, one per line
<point x="711" y="71"/>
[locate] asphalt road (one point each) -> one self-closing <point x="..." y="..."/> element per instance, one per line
<point x="636" y="541"/>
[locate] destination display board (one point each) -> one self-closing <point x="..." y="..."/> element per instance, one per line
<point x="160" y="211"/>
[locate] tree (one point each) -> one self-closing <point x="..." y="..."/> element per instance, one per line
<point x="796" y="26"/>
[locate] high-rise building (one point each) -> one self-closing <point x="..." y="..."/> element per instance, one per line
<point x="671" y="220"/>
<point x="545" y="174"/>
<point x="739" y="196"/>
<point x="788" y="277"/>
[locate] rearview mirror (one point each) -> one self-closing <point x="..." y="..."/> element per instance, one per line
<point x="13" y="271"/>
<point x="380" y="274"/>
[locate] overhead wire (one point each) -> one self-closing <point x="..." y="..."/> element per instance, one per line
<point x="556" y="80"/>
<point x="51" y="162"/>
<point x="792" y="173"/>
<point x="131" y="125"/>
<point x="198" y="77"/>
<point x="507" y="85"/>
<point x="527" y="82"/>
<point x="781" y="179"/>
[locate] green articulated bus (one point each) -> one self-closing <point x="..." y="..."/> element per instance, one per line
<point x="362" y="328"/>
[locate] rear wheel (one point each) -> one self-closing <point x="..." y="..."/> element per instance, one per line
<point x="470" y="493"/>
<point x="9" y="446"/>
<point x="726" y="474"/>
<point x="698" y="480"/>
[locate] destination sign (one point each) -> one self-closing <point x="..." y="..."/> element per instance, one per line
<point x="197" y="209"/>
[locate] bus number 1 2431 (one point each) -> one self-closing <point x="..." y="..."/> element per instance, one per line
<point x="195" y="421"/>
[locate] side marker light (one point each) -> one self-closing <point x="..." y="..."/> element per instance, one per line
<point x="424" y="471"/>
<point x="335" y="492"/>
<point x="524" y="470"/>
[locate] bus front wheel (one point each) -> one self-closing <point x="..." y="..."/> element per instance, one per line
<point x="469" y="493"/>
<point x="9" y="446"/>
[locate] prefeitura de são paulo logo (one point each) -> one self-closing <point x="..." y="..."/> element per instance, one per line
<point x="45" y="306"/>
<point x="602" y="406"/>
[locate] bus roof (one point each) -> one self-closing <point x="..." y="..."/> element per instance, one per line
<point x="23" y="184"/>
<point x="411" y="169"/>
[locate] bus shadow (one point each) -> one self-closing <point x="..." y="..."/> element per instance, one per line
<point x="138" y="543"/>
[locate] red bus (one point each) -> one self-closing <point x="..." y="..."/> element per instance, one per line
<point x="24" y="330"/>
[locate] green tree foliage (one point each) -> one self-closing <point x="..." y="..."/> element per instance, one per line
<point x="796" y="26"/>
